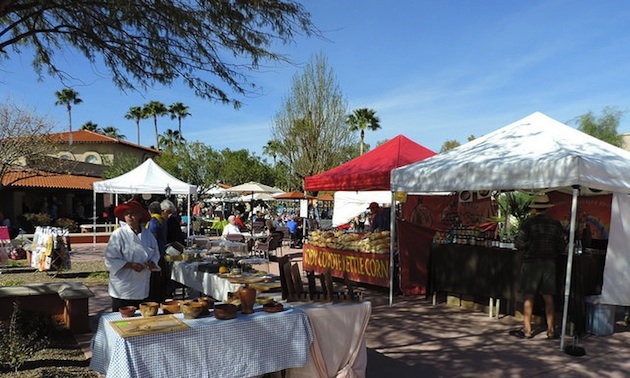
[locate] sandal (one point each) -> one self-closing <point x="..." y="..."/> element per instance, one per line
<point x="553" y="336"/>
<point x="521" y="334"/>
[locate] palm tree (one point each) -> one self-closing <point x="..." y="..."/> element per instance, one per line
<point x="179" y="111"/>
<point x="68" y="97"/>
<point x="170" y="138"/>
<point x="272" y="148"/>
<point x="136" y="113"/>
<point x="362" y="119"/>
<point x="91" y="126"/>
<point x="113" y="132"/>
<point x="155" y="109"/>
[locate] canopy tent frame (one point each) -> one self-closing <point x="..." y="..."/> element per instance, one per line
<point x="147" y="178"/>
<point x="535" y="153"/>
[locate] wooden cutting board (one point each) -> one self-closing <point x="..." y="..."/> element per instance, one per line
<point x="128" y="327"/>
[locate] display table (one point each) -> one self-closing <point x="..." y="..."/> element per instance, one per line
<point x="247" y="346"/>
<point x="370" y="268"/>
<point x="495" y="273"/>
<point x="210" y="284"/>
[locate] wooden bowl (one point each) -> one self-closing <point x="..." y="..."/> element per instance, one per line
<point x="191" y="309"/>
<point x="224" y="311"/>
<point x="171" y="307"/>
<point x="149" y="308"/>
<point x="273" y="307"/>
<point x="207" y="302"/>
<point x="127" y="311"/>
<point x="263" y="299"/>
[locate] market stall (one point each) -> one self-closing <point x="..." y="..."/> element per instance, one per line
<point x="369" y="172"/>
<point x="536" y="154"/>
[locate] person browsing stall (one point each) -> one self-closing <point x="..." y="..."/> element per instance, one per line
<point x="381" y="218"/>
<point x="540" y="239"/>
<point x="131" y="254"/>
<point x="231" y="227"/>
<point x="157" y="226"/>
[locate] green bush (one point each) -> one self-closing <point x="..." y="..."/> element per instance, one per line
<point x="24" y="335"/>
<point x="67" y="223"/>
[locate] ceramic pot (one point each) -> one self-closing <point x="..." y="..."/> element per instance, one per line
<point x="247" y="295"/>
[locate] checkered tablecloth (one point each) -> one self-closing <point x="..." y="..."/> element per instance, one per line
<point x="247" y="346"/>
<point x="208" y="283"/>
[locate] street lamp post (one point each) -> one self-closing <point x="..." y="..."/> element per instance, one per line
<point x="167" y="191"/>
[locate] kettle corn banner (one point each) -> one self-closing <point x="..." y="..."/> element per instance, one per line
<point x="370" y="268"/>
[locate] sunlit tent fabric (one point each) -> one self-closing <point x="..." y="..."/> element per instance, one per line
<point x="148" y="178"/>
<point x="534" y="153"/>
<point x="371" y="170"/>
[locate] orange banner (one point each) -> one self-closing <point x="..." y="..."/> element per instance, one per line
<point x="370" y="268"/>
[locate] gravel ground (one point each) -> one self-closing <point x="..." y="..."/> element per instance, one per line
<point x="63" y="357"/>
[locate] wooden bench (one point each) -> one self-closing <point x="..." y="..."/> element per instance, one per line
<point x="65" y="302"/>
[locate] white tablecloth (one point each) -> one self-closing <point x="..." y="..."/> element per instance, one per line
<point x="208" y="283"/>
<point x="247" y="346"/>
<point x="338" y="348"/>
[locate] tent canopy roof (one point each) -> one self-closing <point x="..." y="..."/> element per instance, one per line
<point x="148" y="177"/>
<point x="533" y="153"/>
<point x="371" y="170"/>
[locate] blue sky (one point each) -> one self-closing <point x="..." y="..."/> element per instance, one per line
<point x="432" y="70"/>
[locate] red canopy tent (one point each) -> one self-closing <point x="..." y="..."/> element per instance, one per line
<point x="371" y="170"/>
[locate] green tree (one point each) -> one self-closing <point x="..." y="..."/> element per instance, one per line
<point x="603" y="127"/>
<point x="362" y="119"/>
<point x="449" y="145"/>
<point x="155" y="109"/>
<point x="146" y="42"/>
<point x="136" y="113"/>
<point x="194" y="163"/>
<point x="311" y="124"/>
<point x="113" y="132"/>
<point x="122" y="164"/>
<point x="170" y="138"/>
<point x="24" y="137"/>
<point x="240" y="166"/>
<point x="272" y="148"/>
<point x="91" y="126"/>
<point x="178" y="111"/>
<point x="68" y="97"/>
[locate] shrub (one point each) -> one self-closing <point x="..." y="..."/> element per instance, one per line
<point x="67" y="223"/>
<point x="25" y="334"/>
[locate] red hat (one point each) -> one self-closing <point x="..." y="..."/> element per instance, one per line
<point x="373" y="204"/>
<point x="134" y="206"/>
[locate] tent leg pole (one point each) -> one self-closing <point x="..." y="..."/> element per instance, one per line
<point x="567" y="285"/>
<point x="392" y="234"/>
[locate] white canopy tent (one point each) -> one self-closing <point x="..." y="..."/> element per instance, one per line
<point x="350" y="204"/>
<point x="147" y="178"/>
<point x="535" y="153"/>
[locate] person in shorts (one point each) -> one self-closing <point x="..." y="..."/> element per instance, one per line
<point x="541" y="239"/>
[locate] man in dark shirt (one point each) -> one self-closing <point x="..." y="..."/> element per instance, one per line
<point x="380" y="217"/>
<point x="540" y="239"/>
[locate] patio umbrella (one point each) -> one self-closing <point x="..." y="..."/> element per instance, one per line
<point x="325" y="197"/>
<point x="295" y="195"/>
<point x="252" y="188"/>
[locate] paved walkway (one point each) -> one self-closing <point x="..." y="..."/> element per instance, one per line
<point x="415" y="339"/>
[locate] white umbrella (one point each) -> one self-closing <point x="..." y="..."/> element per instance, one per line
<point x="253" y="187"/>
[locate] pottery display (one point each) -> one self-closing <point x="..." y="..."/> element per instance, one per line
<point x="127" y="311"/>
<point x="171" y="307"/>
<point x="224" y="311"/>
<point x="207" y="302"/>
<point x="247" y="295"/>
<point x="149" y="308"/>
<point x="191" y="309"/>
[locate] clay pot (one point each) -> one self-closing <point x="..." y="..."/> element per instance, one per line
<point x="207" y="302"/>
<point x="171" y="307"/>
<point x="149" y="308"/>
<point x="191" y="309"/>
<point x="225" y="311"/>
<point x="127" y="311"/>
<point x="247" y="295"/>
